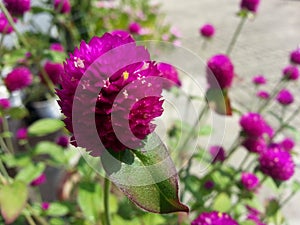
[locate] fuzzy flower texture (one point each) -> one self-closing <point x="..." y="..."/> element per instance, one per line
<point x="214" y="218"/>
<point x="17" y="7"/>
<point x="123" y="105"/>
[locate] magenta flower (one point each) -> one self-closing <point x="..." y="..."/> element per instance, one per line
<point x="17" y="7"/>
<point x="220" y="71"/>
<point x="4" y="103"/>
<point x="22" y="134"/>
<point x="57" y="47"/>
<point x="217" y="153"/>
<point x="291" y="73"/>
<point x="250" y="5"/>
<point x="285" y="97"/>
<point x="263" y="94"/>
<point x="277" y="163"/>
<point x="134" y="28"/>
<point x="254" y="125"/>
<point x="250" y="181"/>
<point x="295" y="56"/>
<point x="207" y="30"/>
<point x="256" y="145"/>
<point x="259" y="80"/>
<point x="62" y="6"/>
<point x="54" y="72"/>
<point x="209" y="184"/>
<point x="122" y="33"/>
<point x="45" y="205"/>
<point x="19" y="78"/>
<point x="254" y="215"/>
<point x="105" y="100"/>
<point x="5" y="27"/>
<point x="39" y="180"/>
<point x="170" y="73"/>
<point x="287" y="144"/>
<point x="63" y="141"/>
<point x="214" y="218"/>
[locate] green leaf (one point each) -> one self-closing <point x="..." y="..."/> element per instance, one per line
<point x="219" y="101"/>
<point x="30" y="172"/>
<point x="272" y="208"/>
<point x="248" y="223"/>
<point x="44" y="127"/>
<point x="222" y="203"/>
<point x="57" y="221"/>
<point x="296" y="186"/>
<point x="55" y="56"/>
<point x="18" y="113"/>
<point x="150" y="180"/>
<point x="13" y="198"/>
<point x="19" y="160"/>
<point x="89" y="200"/>
<point x="205" y="130"/>
<point x="57" y="209"/>
<point x="55" y="151"/>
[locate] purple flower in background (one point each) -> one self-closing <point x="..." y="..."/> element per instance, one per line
<point x="39" y="180"/>
<point x="259" y="80"/>
<point x="256" y="145"/>
<point x="285" y="97"/>
<point x="22" y="134"/>
<point x="209" y="184"/>
<point x="295" y="56"/>
<point x="57" y="47"/>
<point x="170" y="73"/>
<point x="253" y="124"/>
<point x="19" y="78"/>
<point x="254" y="215"/>
<point x="62" y="6"/>
<point x="17" y="7"/>
<point x="207" y="30"/>
<point x="263" y="94"/>
<point x="250" y="5"/>
<point x="217" y="153"/>
<point x="63" y="141"/>
<point x="250" y="181"/>
<point x="45" y="205"/>
<point x="277" y="163"/>
<point x="291" y="73"/>
<point x="5" y="27"/>
<point x="214" y="218"/>
<point x="4" y="103"/>
<point x="54" y="72"/>
<point x="220" y="71"/>
<point x="287" y="144"/>
<point x="134" y="28"/>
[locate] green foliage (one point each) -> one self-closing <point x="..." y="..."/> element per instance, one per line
<point x="44" y="127"/>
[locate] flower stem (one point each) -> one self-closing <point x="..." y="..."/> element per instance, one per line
<point x="30" y="220"/>
<point x="244" y="161"/>
<point x="6" y="130"/>
<point x="236" y="35"/>
<point x="106" y="201"/>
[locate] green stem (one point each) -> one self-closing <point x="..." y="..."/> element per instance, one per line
<point x="4" y="146"/>
<point x="3" y="171"/>
<point x="106" y="201"/>
<point x="285" y="201"/>
<point x="6" y="130"/>
<point x="236" y="35"/>
<point x="244" y="161"/>
<point x="30" y="220"/>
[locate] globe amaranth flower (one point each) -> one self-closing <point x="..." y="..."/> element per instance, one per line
<point x="134" y="28"/>
<point x="287" y="144"/>
<point x="209" y="184"/>
<point x="214" y="218"/>
<point x="131" y="96"/>
<point x="63" y="141"/>
<point x="39" y="180"/>
<point x="285" y="97"/>
<point x="250" y="181"/>
<point x="255" y="144"/>
<point x="17" y="7"/>
<point x="254" y="125"/>
<point x="295" y="56"/>
<point x="4" y="103"/>
<point x="54" y="71"/>
<point x="207" y="30"/>
<point x="291" y="73"/>
<point x="22" y="134"/>
<point x="5" y="27"/>
<point x="259" y="80"/>
<point x="277" y="163"/>
<point x="170" y="73"/>
<point x="19" y="78"/>
<point x="45" y="206"/>
<point x="57" y="47"/>
<point x="254" y="215"/>
<point x="250" y="5"/>
<point x="217" y="153"/>
<point x="62" y="6"/>
<point x="263" y="94"/>
<point x="220" y="71"/>
<point x="122" y="33"/>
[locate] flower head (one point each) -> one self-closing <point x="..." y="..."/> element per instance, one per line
<point x="285" y="97"/>
<point x="4" y="103"/>
<point x="259" y="80"/>
<point x="39" y="180"/>
<point x="291" y="73"/>
<point x="250" y="5"/>
<point x="19" y="78"/>
<point x="62" y="6"/>
<point x="287" y="144"/>
<point x="209" y="184"/>
<point x="54" y="72"/>
<point x="220" y="71"/>
<point x="214" y="218"/>
<point x="170" y="73"/>
<point x="250" y="181"/>
<point x="277" y="163"/>
<point x="45" y="205"/>
<point x="63" y="141"/>
<point x="263" y="94"/>
<point x="122" y="33"/>
<point x="217" y="153"/>
<point x="295" y="56"/>
<point x="57" y="47"/>
<point x="5" y="27"/>
<point x="254" y="215"/>
<point x="17" y="7"/>
<point x="255" y="144"/>
<point x="207" y="30"/>
<point x="134" y="28"/>
<point x="22" y="134"/>
<point x="253" y="124"/>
